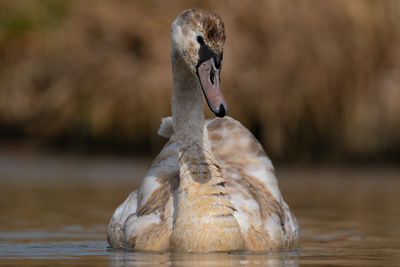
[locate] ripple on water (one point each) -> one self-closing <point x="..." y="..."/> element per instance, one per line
<point x="347" y="216"/>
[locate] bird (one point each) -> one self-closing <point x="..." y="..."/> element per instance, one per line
<point x="212" y="188"/>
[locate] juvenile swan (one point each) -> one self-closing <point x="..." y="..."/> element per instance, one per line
<point x="212" y="187"/>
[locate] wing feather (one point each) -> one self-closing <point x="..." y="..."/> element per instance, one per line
<point x="144" y="220"/>
<point x="264" y="217"/>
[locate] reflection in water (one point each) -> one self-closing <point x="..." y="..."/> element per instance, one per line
<point x="126" y="258"/>
<point x="56" y="209"/>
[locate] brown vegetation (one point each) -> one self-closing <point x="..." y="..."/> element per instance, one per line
<point x="312" y="79"/>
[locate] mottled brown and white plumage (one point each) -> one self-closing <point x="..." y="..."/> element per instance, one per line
<point x="212" y="187"/>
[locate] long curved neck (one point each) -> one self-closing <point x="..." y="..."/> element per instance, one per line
<point x="187" y="109"/>
<point x="204" y="218"/>
<point x="197" y="162"/>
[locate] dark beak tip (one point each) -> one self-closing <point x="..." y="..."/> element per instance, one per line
<point x="221" y="111"/>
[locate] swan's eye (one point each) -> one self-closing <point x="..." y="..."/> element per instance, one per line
<point x="212" y="75"/>
<point x="200" y="40"/>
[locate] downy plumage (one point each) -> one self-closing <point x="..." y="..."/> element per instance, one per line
<point x="212" y="187"/>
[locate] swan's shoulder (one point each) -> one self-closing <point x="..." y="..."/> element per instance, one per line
<point x="263" y="215"/>
<point x="236" y="147"/>
<point x="144" y="220"/>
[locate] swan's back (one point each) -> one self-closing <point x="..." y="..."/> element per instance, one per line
<point x="144" y="221"/>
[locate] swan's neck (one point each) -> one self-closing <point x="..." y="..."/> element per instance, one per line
<point x="204" y="219"/>
<point x="187" y="111"/>
<point x="197" y="162"/>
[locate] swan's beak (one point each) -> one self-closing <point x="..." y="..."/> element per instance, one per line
<point x="209" y="79"/>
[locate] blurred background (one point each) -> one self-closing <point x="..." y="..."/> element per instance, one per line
<point x="84" y="85"/>
<point x="315" y="81"/>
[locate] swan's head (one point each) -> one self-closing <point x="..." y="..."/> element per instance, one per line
<point x="198" y="37"/>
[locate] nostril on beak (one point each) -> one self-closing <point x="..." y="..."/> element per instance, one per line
<point x="212" y="75"/>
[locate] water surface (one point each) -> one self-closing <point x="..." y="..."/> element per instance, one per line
<point x="54" y="210"/>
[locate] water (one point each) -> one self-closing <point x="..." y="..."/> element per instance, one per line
<point x="54" y="210"/>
